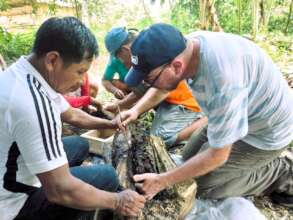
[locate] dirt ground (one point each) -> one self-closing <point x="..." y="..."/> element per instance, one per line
<point x="272" y="211"/>
<point x="264" y="204"/>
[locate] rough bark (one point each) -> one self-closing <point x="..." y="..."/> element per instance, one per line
<point x="213" y="17"/>
<point x="147" y="154"/>
<point x="202" y="14"/>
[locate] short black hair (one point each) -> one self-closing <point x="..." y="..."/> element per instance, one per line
<point x="68" y="36"/>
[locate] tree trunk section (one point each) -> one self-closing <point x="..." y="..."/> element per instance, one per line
<point x="208" y="15"/>
<point x="255" y="18"/>
<point x="289" y="20"/>
<point x="239" y="16"/>
<point x="213" y="17"/>
<point x="202" y="14"/>
<point x="148" y="154"/>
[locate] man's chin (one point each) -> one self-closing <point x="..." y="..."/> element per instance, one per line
<point x="172" y="87"/>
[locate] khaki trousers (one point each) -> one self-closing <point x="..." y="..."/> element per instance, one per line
<point x="248" y="171"/>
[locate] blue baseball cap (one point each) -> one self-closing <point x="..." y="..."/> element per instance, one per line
<point x="115" y="39"/>
<point x="154" y="46"/>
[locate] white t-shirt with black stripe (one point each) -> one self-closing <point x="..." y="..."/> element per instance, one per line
<point x="30" y="134"/>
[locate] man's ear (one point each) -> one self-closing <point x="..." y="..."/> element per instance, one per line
<point x="51" y="60"/>
<point x="178" y="67"/>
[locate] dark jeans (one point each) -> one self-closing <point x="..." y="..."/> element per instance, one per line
<point x="104" y="177"/>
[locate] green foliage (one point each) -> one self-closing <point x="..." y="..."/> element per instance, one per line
<point x="228" y="15"/>
<point x="141" y="24"/>
<point x="52" y="8"/>
<point x="3" y="5"/>
<point x="12" y="46"/>
<point x="234" y="16"/>
<point x="185" y="15"/>
<point x="279" y="47"/>
<point x="279" y="21"/>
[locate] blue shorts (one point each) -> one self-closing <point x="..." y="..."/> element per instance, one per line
<point x="170" y="119"/>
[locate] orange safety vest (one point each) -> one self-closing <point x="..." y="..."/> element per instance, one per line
<point x="183" y="96"/>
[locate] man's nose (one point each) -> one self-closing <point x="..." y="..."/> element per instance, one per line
<point x="80" y="81"/>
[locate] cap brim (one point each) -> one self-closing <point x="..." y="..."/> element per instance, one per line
<point x="134" y="77"/>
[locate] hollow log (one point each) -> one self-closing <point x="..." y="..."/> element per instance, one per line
<point x="148" y="154"/>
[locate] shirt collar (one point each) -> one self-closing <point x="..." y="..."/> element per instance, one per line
<point x="26" y="65"/>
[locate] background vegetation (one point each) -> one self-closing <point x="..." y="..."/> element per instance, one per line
<point x="14" y="45"/>
<point x="268" y="22"/>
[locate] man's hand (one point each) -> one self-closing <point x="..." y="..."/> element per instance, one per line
<point x="118" y="94"/>
<point x="126" y="117"/>
<point x="96" y="104"/>
<point x="90" y="109"/>
<point x="111" y="108"/>
<point x="150" y="184"/>
<point x="129" y="203"/>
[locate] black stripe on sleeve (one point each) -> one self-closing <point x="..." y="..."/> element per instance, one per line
<point x="45" y="109"/>
<point x="55" y="129"/>
<point x="39" y="117"/>
<point x="55" y="126"/>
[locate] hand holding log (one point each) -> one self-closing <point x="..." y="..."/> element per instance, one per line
<point x="126" y="117"/>
<point x="150" y="184"/>
<point x="129" y="203"/>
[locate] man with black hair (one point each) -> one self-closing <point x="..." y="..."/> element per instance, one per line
<point x="41" y="177"/>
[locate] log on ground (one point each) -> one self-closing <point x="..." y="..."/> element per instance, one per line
<point x="148" y="154"/>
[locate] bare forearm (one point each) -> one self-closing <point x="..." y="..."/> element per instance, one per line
<point x="63" y="188"/>
<point x="109" y="86"/>
<point x="82" y="119"/>
<point x="185" y="133"/>
<point x="84" y="196"/>
<point x="151" y="98"/>
<point x="128" y="101"/>
<point x="198" y="165"/>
